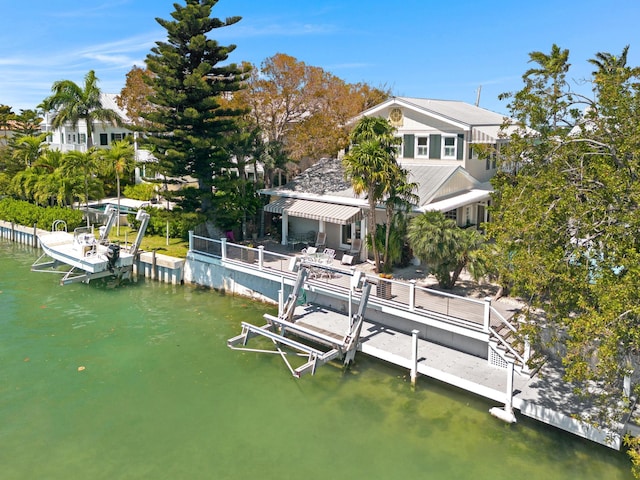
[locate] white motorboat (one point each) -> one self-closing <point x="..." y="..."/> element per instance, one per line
<point x="86" y="256"/>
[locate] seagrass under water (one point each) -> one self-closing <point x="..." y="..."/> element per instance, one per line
<point x="137" y="382"/>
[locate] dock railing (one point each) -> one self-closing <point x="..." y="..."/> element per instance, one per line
<point x="472" y="313"/>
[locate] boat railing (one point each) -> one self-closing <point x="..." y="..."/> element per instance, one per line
<point x="81" y="232"/>
<point x="59" y="226"/>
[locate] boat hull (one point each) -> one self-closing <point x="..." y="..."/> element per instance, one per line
<point x="93" y="259"/>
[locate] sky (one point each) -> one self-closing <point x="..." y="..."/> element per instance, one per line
<point x="450" y="50"/>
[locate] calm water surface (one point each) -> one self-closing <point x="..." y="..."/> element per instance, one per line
<point x="162" y="397"/>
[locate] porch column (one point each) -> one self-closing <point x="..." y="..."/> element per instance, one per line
<point x="285" y="228"/>
<point x="364" y="253"/>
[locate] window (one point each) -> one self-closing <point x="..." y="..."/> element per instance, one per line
<point x="452" y="214"/>
<point x="491" y="160"/>
<point x="82" y="138"/>
<point x="104" y="139"/>
<point x="117" y="136"/>
<point x="449" y="147"/>
<point x="423" y="146"/>
<point x="346" y="234"/>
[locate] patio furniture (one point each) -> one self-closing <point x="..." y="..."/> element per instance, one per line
<point x="330" y="253"/>
<point x="321" y="240"/>
<point x="320" y="260"/>
<point x="347" y="259"/>
<point x="356" y="245"/>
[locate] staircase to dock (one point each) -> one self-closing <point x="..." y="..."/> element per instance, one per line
<point x="507" y="344"/>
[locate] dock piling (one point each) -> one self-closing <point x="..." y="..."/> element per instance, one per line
<point x="414" y="356"/>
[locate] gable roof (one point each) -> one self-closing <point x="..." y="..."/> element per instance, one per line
<point x="108" y="101"/>
<point x="453" y="111"/>
<point x="439" y="181"/>
<point x="484" y="125"/>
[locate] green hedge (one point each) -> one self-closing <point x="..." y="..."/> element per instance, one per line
<point x="179" y="222"/>
<point x="25" y="213"/>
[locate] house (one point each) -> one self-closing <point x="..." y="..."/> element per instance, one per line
<point x="438" y="138"/>
<point x="69" y="137"/>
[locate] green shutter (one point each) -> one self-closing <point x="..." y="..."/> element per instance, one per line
<point x="409" y="142"/>
<point x="435" y="146"/>
<point x="460" y="147"/>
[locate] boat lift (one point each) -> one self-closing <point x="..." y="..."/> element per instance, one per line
<point x="299" y="321"/>
<point x="85" y="257"/>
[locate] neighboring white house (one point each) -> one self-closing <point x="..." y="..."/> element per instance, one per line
<point x="437" y="149"/>
<point x="68" y="137"/>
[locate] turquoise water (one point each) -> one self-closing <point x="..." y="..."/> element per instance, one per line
<point x="162" y="397"/>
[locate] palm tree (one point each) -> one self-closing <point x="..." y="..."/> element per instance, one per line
<point x="371" y="167"/>
<point x="607" y="64"/>
<point x="28" y="149"/>
<point x="442" y="245"/>
<point x="84" y="163"/>
<point x="119" y="159"/>
<point x="398" y="203"/>
<point x="552" y="66"/>
<point x="53" y="184"/>
<point x="72" y="103"/>
<point x="23" y="184"/>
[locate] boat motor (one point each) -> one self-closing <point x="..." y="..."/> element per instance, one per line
<point x="113" y="253"/>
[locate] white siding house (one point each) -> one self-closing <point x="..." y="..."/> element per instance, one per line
<point x="69" y="137"/>
<point x="437" y="149"/>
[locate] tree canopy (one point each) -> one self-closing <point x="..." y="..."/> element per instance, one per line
<point x="564" y="221"/>
<point x="188" y="80"/>
<point x="444" y="247"/>
<point x="371" y="167"/>
<point x="301" y="109"/>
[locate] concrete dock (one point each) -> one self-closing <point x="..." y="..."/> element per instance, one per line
<point x="544" y="396"/>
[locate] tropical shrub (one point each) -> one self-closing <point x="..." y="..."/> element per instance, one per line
<point x="143" y="191"/>
<point x="180" y="222"/>
<point x="28" y="214"/>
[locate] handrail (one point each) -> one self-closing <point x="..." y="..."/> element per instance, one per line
<point x="233" y="253"/>
<point x="502" y="340"/>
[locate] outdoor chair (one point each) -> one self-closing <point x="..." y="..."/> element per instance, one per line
<point x="356" y="245"/>
<point x="330" y="252"/>
<point x="321" y="240"/>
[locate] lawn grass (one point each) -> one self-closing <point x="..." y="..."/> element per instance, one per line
<point x="176" y="248"/>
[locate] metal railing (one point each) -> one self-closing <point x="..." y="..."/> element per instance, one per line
<point x="470" y="313"/>
<point x="521" y="358"/>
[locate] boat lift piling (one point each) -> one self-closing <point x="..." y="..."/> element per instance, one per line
<point x="307" y="323"/>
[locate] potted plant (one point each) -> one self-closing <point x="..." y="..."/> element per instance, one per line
<point x="383" y="289"/>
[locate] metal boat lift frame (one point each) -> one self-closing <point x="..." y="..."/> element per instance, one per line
<point x="276" y="328"/>
<point x="75" y="274"/>
<point x="46" y="264"/>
